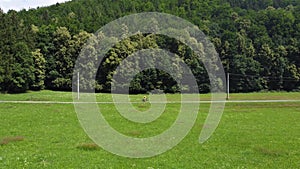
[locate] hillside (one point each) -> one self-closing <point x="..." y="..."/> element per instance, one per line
<point x="258" y="42"/>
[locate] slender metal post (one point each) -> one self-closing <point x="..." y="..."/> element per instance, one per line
<point x="228" y="86"/>
<point x="78" y="97"/>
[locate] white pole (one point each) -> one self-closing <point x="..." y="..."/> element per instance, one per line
<point x="78" y="86"/>
<point x="227" y="86"/>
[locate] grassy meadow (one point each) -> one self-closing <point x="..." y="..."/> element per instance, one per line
<point x="250" y="135"/>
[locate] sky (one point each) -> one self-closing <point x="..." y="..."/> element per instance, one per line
<point x="17" y="5"/>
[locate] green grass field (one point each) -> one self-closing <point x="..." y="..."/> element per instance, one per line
<point x="250" y="135"/>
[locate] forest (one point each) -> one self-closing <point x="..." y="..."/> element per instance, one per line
<point x="258" y="42"/>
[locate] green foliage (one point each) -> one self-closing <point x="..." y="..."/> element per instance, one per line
<point x="22" y="70"/>
<point x="254" y="38"/>
<point x="17" y="69"/>
<point x="39" y="70"/>
<point x="67" y="49"/>
<point x="16" y="64"/>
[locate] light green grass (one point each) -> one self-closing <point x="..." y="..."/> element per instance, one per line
<point x="250" y="135"/>
<point x="47" y="95"/>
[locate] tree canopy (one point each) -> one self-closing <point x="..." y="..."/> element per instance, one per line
<point x="258" y="42"/>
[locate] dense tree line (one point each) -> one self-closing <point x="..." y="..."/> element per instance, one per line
<point x="258" y="42"/>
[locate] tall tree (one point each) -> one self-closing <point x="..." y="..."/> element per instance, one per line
<point x="39" y="70"/>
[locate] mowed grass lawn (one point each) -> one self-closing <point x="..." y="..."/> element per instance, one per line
<point x="250" y="135"/>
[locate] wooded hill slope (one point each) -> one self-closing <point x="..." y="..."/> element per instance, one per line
<point x="258" y="42"/>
